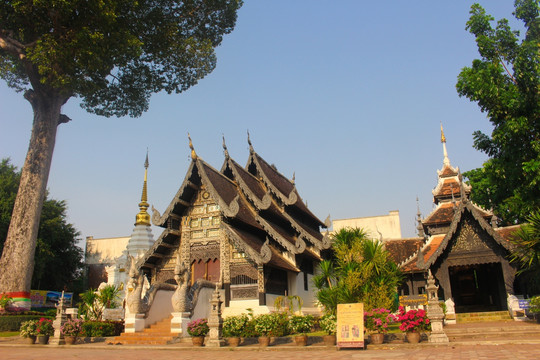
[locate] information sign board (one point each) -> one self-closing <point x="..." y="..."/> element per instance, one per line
<point x="350" y="325"/>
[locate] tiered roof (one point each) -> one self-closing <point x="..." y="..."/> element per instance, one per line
<point x="263" y="214"/>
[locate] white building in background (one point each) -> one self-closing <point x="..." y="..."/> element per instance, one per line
<point x="381" y="226"/>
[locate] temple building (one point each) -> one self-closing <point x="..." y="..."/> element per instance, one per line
<point x="461" y="245"/>
<point x="244" y="229"/>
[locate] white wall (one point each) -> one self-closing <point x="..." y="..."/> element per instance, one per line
<point x="161" y="307"/>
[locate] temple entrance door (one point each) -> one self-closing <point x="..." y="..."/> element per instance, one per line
<point x="478" y="288"/>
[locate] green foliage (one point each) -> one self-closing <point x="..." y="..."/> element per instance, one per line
<point x="328" y="323"/>
<point x="98" y="329"/>
<point x="300" y="324"/>
<point x="94" y="302"/>
<point x="28" y="328"/>
<point x="274" y="324"/>
<point x="234" y="326"/>
<point x="56" y="251"/>
<point x="361" y="270"/>
<point x="535" y="305"/>
<point x="5" y="301"/>
<point x="505" y="83"/>
<point x="112" y="54"/>
<point x="13" y="322"/>
<point x="526" y="252"/>
<point x="287" y="303"/>
<point x="45" y="327"/>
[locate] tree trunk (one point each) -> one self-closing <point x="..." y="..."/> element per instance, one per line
<point x="17" y="261"/>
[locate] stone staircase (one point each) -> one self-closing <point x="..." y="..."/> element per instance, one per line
<point x="157" y="334"/>
<point x="491" y="326"/>
<point x="483" y="316"/>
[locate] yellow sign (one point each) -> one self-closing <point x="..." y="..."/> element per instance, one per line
<point x="350" y="325"/>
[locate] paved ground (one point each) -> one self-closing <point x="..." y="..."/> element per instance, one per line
<point x="455" y="352"/>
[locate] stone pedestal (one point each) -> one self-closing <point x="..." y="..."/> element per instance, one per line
<point x="179" y="323"/>
<point x="134" y="323"/>
<point x="435" y="313"/>
<point x="61" y="318"/>
<point x="215" y="321"/>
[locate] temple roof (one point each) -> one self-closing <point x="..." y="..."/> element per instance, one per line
<point x="263" y="215"/>
<point x="436" y="244"/>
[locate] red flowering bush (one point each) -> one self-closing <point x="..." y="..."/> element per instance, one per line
<point x="377" y="320"/>
<point x="413" y="320"/>
<point x="45" y="327"/>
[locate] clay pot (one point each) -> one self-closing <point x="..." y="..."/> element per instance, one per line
<point x="376" y="339"/>
<point x="70" y="340"/>
<point x="264" y="341"/>
<point x="233" y="341"/>
<point x="413" y="337"/>
<point x="301" y="340"/>
<point x="197" y="340"/>
<point x="329" y="340"/>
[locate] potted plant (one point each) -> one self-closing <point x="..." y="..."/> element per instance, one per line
<point x="300" y="325"/>
<point x="71" y="330"/>
<point x="265" y="326"/>
<point x="412" y="323"/>
<point x="198" y="329"/>
<point x="44" y="330"/>
<point x="535" y="307"/>
<point x="28" y="330"/>
<point x="328" y="324"/>
<point x="5" y="301"/>
<point x="376" y="323"/>
<point x="234" y="327"/>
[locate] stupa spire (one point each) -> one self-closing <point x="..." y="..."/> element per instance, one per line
<point x="143" y="218"/>
<point x="446" y="160"/>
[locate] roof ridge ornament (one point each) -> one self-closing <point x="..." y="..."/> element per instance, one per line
<point x="225" y="151"/>
<point x="446" y="160"/>
<point x="249" y="142"/>
<point x="193" y="153"/>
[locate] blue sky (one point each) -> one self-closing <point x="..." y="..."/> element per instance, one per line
<point x="349" y="95"/>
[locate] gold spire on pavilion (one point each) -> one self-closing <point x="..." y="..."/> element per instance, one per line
<point x="446" y="160"/>
<point x="143" y="218"/>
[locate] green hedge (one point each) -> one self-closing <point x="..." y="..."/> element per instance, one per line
<point x="13" y="322"/>
<point x="102" y="328"/>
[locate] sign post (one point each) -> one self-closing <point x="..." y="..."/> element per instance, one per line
<point x="350" y="326"/>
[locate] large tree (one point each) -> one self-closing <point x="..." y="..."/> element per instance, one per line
<point x="56" y="250"/>
<point x="112" y="54"/>
<point x="505" y="83"/>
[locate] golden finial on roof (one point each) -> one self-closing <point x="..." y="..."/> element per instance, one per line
<point x="293" y="177"/>
<point x="446" y="160"/>
<point x="143" y="218"/>
<point x="443" y="138"/>
<point x="193" y="153"/>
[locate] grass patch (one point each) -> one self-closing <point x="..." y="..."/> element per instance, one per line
<point x="8" y="333"/>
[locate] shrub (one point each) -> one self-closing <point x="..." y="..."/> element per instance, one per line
<point x="12" y="322"/>
<point x="377" y="320"/>
<point x="198" y="327"/>
<point x="5" y="301"/>
<point x="413" y="320"/>
<point x="535" y="305"/>
<point x="274" y="324"/>
<point x="72" y="327"/>
<point x="234" y="326"/>
<point x="98" y="329"/>
<point x="45" y="327"/>
<point x="328" y="324"/>
<point x="28" y="328"/>
<point x="300" y="324"/>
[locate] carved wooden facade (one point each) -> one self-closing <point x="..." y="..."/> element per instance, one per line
<point x="242" y="227"/>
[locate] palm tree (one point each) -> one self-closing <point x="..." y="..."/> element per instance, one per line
<point x="526" y="252"/>
<point x="360" y="270"/>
